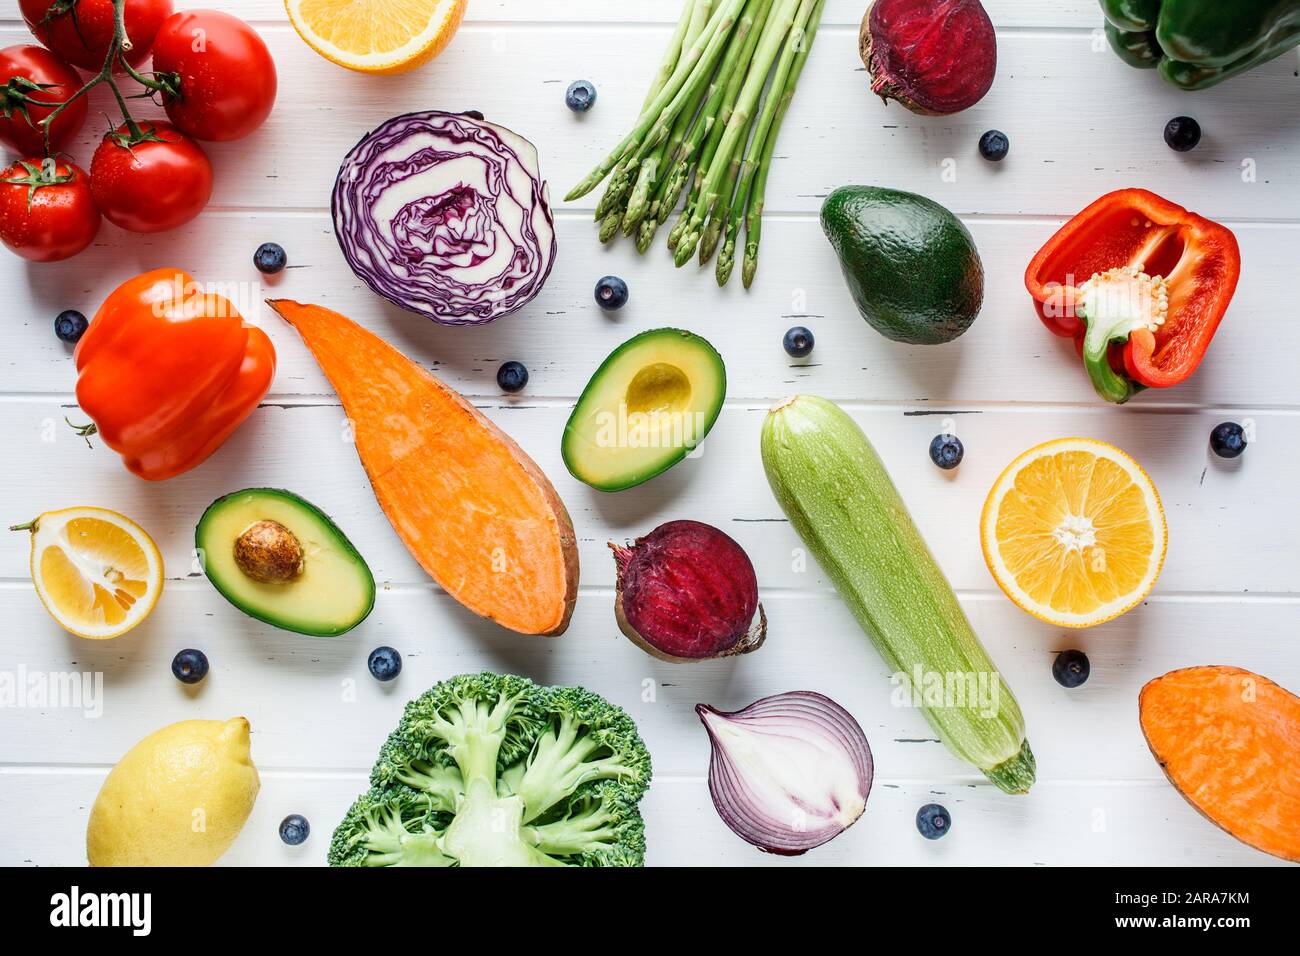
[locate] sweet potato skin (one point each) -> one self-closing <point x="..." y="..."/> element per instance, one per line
<point x="412" y="434"/>
<point x="1229" y="742"/>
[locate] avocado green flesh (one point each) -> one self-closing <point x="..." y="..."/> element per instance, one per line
<point x="910" y="264"/>
<point x="651" y="402"/>
<point x="335" y="590"/>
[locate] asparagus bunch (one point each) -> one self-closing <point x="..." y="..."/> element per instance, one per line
<point x="707" y="131"/>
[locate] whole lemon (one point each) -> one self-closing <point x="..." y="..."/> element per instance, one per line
<point x="178" y="798"/>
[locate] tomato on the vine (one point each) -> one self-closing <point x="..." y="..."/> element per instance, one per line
<point x="46" y="209"/>
<point x="80" y="31"/>
<point x="30" y="75"/>
<point x="159" y="182"/>
<point x="220" y="89"/>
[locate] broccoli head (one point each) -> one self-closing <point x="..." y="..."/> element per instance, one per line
<point x="493" y="770"/>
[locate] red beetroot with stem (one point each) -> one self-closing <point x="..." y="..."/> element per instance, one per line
<point x="687" y="592"/>
<point x="936" y="57"/>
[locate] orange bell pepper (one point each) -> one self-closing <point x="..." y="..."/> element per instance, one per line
<point x="1140" y="284"/>
<point x="167" y="372"/>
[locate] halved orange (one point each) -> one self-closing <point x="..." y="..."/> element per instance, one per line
<point x="377" y="36"/>
<point x="97" y="572"/>
<point x="1074" y="532"/>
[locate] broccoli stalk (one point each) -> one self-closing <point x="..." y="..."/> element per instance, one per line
<point x="488" y="770"/>
<point x="485" y="831"/>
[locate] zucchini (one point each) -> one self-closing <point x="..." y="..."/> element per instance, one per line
<point x="834" y="489"/>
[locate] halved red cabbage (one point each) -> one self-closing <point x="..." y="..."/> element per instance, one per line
<point x="446" y="215"/>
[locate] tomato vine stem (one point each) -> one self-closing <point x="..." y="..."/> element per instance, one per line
<point x="117" y="50"/>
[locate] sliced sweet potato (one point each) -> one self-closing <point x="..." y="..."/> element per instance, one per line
<point x="1229" y="741"/>
<point x="472" y="508"/>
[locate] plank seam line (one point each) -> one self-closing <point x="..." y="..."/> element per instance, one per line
<point x="790" y="215"/>
<point x="17" y="768"/>
<point x="782" y="592"/>
<point x="487" y="25"/>
<point x="930" y="406"/>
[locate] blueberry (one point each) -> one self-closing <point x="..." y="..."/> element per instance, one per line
<point x="294" y="829"/>
<point x="472" y="114"/>
<point x="933" y="820"/>
<point x="70" y="325"/>
<point x="512" y="376"/>
<point x="1070" y="668"/>
<point x="190" y="666"/>
<point x="946" y="451"/>
<point x="994" y="145"/>
<point x="1182" y="133"/>
<point x="611" y="293"/>
<point x="384" y="663"/>
<point x="1228" y="440"/>
<point x="798" y="342"/>
<point x="269" y="258"/>
<point x="580" y="96"/>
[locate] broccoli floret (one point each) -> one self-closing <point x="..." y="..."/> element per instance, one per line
<point x="493" y="770"/>
<point x="394" y="827"/>
<point x="398" y="764"/>
<point x="599" y="827"/>
<point x="585" y="738"/>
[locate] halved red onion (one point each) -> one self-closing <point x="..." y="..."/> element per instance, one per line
<point x="788" y="772"/>
<point x="446" y="215"/>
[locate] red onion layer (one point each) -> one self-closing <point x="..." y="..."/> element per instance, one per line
<point x="789" y="772"/>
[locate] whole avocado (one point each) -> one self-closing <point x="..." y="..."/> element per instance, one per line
<point x="910" y="264"/>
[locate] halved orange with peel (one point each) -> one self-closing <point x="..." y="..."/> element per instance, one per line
<point x="377" y="36"/>
<point x="1074" y="532"/>
<point x="97" y="572"/>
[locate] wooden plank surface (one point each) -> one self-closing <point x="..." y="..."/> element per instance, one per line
<point x="1080" y="123"/>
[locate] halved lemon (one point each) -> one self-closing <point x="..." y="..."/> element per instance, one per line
<point x="97" y="572"/>
<point x="377" y="36"/>
<point x="1073" y="532"/>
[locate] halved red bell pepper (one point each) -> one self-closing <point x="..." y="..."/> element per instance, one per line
<point x="1156" y="279"/>
<point x="167" y="371"/>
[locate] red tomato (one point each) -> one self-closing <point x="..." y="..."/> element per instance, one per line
<point x="21" y="66"/>
<point x="80" y="31"/>
<point x="46" y="210"/>
<point x="159" y="183"/>
<point x="223" y="74"/>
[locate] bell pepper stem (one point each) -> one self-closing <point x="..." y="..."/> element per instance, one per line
<point x="84" y="431"/>
<point x="1108" y="383"/>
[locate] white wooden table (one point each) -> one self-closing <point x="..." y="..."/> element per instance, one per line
<point x="1080" y="123"/>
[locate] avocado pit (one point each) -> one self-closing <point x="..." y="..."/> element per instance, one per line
<point x="269" y="553"/>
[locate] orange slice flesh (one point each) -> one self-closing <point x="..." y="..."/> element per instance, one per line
<point x="97" y="572"/>
<point x="377" y="36"/>
<point x="1073" y="532"/>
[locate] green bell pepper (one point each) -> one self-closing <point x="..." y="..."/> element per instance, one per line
<point x="1198" y="43"/>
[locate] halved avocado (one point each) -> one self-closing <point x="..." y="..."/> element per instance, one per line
<point x="651" y="402"/>
<point x="280" y="559"/>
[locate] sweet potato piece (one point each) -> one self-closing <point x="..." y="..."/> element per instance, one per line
<point x="1229" y="741"/>
<point x="472" y="508"/>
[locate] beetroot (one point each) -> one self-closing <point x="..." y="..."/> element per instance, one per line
<point x="687" y="592"/>
<point x="936" y="57"/>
